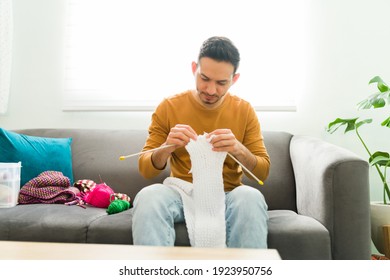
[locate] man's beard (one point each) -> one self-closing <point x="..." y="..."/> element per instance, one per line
<point x="210" y="98"/>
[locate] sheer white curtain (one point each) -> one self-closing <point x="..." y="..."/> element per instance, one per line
<point x="128" y="55"/>
<point x="5" y="52"/>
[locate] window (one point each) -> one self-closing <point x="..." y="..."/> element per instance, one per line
<point x="6" y="31"/>
<point x="129" y="55"/>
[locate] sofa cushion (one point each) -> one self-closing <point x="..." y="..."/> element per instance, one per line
<point x="48" y="222"/>
<point x="298" y="237"/>
<point x="37" y="154"/>
<point x="112" y="229"/>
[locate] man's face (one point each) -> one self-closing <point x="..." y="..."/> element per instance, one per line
<point x="213" y="80"/>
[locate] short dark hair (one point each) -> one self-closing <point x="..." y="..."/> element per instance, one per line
<point x="220" y="49"/>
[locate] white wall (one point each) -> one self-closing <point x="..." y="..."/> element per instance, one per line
<point x="348" y="44"/>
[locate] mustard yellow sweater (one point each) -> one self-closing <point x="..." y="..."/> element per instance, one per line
<point x="234" y="113"/>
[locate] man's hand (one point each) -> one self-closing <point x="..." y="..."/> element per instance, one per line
<point x="180" y="135"/>
<point x="223" y="140"/>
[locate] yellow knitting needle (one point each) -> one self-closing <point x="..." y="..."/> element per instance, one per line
<point x="167" y="146"/>
<point x="247" y="170"/>
<point x="144" y="152"/>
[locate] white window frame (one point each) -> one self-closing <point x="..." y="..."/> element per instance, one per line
<point x="270" y="36"/>
<point x="6" y="34"/>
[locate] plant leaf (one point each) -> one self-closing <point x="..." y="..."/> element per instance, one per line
<point x="337" y="123"/>
<point x="364" y="104"/>
<point x="375" y="100"/>
<point x="359" y="124"/>
<point x="386" y="122"/>
<point x="376" y="79"/>
<point x="380" y="158"/>
<point x="381" y="85"/>
<point x="379" y="99"/>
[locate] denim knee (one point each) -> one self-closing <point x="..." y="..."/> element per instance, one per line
<point x="246" y="198"/>
<point x="157" y="198"/>
<point x="156" y="209"/>
<point x="149" y="194"/>
<point x="246" y="218"/>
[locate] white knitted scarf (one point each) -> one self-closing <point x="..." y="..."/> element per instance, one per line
<point x="204" y="199"/>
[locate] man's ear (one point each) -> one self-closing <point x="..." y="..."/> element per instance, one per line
<point x="194" y="66"/>
<point x="235" y="78"/>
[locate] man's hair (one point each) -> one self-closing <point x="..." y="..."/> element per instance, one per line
<point x="220" y="49"/>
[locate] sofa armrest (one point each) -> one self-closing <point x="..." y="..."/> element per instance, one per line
<point x="332" y="186"/>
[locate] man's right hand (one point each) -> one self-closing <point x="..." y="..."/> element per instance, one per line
<point x="179" y="136"/>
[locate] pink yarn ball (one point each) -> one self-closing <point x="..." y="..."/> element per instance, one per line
<point x="99" y="196"/>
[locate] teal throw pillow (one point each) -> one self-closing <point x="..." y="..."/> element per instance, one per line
<point x="37" y="154"/>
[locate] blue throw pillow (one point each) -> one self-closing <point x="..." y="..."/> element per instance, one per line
<point x="37" y="154"/>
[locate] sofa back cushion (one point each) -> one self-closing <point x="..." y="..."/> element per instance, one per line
<point x="36" y="154"/>
<point x="96" y="152"/>
<point x="279" y="188"/>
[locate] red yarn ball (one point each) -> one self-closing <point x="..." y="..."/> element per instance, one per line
<point x="99" y="196"/>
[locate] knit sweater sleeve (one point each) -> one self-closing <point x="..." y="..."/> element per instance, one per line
<point x="254" y="141"/>
<point x="158" y="132"/>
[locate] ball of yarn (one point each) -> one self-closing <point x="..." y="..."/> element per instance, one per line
<point x="117" y="206"/>
<point x="99" y="196"/>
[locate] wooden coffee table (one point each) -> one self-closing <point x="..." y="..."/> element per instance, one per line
<point x="16" y="250"/>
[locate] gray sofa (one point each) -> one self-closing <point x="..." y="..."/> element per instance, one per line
<point x="317" y="193"/>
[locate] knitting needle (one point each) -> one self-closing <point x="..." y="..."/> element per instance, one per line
<point x="167" y="146"/>
<point x="144" y="152"/>
<point x="247" y="170"/>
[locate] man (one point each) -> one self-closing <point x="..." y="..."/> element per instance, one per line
<point x="232" y="126"/>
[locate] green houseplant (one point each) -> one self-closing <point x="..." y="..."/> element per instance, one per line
<point x="379" y="159"/>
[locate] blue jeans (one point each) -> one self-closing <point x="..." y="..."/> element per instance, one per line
<point x="158" y="207"/>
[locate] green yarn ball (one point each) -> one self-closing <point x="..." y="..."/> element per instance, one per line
<point x="117" y="206"/>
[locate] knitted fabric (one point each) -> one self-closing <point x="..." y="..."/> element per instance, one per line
<point x="49" y="187"/>
<point x="204" y="199"/>
<point x="120" y="196"/>
<point x="84" y="185"/>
